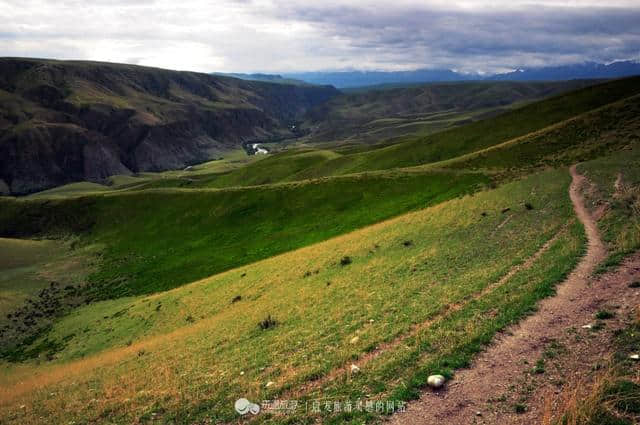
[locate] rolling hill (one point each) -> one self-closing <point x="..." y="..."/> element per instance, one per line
<point x="384" y="114"/>
<point x="350" y="273"/>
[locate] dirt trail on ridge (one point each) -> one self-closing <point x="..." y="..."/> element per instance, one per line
<point x="501" y="386"/>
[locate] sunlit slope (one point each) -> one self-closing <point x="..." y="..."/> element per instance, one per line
<point x="157" y="240"/>
<point x="426" y="286"/>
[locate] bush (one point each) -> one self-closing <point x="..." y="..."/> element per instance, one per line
<point x="604" y="315"/>
<point x="267" y="323"/>
<point x="345" y="261"/>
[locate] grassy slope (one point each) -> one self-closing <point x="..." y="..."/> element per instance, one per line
<point x="391" y="112"/>
<point x="157" y="240"/>
<point x="584" y="137"/>
<point x="481" y="134"/>
<point x="175" y="178"/>
<point x="615" y="398"/>
<point x="620" y="223"/>
<point x="20" y="261"/>
<point x="455" y="253"/>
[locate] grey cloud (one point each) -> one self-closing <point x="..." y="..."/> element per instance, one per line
<point x="248" y="35"/>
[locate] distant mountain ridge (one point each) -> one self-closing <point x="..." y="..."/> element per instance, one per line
<point x="572" y="72"/>
<point x="268" y="78"/>
<point x="587" y="70"/>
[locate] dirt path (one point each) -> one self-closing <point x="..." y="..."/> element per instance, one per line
<point x="501" y="387"/>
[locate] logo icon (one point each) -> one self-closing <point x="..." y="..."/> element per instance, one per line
<point x="244" y="406"/>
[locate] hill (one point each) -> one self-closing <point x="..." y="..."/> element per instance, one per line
<point x="64" y="121"/>
<point x="390" y="113"/>
<point x="188" y="292"/>
<point x="519" y="124"/>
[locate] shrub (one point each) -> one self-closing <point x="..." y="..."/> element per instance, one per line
<point x="345" y="261"/>
<point x="604" y="315"/>
<point x="267" y="323"/>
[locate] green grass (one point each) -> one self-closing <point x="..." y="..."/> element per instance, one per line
<point x="620" y="224"/>
<point x="455" y="254"/>
<point x="292" y="273"/>
<point x="71" y="189"/>
<point x="157" y="240"/>
<point x="585" y="137"/>
<point x="20" y="262"/>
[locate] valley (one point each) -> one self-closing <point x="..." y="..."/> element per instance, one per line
<point x="350" y="263"/>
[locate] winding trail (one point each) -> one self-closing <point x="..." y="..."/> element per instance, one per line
<point x="501" y="377"/>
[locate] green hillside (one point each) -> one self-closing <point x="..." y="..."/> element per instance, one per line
<point x="272" y="278"/>
<point x="454" y="256"/>
<point x="156" y="240"/>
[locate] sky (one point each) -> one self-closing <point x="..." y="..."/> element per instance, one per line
<point x="296" y="35"/>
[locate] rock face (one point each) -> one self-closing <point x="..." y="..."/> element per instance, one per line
<point x="68" y="121"/>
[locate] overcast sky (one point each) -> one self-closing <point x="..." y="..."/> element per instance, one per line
<point x="297" y="35"/>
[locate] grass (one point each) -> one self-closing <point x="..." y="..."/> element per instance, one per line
<point x="20" y="261"/>
<point x="157" y="240"/>
<point x="202" y="296"/>
<point x="585" y="137"/>
<point x="614" y="399"/>
<point x="620" y="223"/>
<point x="455" y="254"/>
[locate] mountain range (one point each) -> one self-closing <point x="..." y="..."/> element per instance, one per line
<point x="347" y="79"/>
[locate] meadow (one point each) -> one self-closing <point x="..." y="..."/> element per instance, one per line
<point x="119" y="358"/>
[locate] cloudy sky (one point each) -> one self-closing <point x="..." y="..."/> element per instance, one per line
<point x="298" y="35"/>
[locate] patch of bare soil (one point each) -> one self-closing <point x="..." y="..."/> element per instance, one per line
<point x="511" y="382"/>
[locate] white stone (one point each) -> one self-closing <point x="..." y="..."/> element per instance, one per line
<point x="354" y="368"/>
<point x="354" y="339"/>
<point x="634" y="356"/>
<point x="270" y="383"/>
<point x="435" y="381"/>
